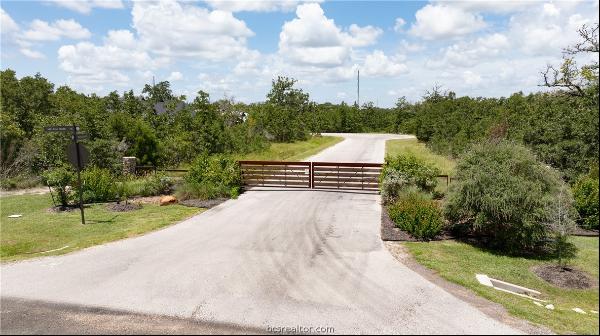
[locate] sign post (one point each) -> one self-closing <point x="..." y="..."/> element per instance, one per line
<point x="77" y="154"/>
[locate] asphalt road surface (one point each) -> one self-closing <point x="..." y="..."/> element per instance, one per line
<point x="272" y="259"/>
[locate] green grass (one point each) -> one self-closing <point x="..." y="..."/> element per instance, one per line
<point x="39" y="230"/>
<point x="294" y="151"/>
<point x="413" y="146"/>
<point x="459" y="262"/>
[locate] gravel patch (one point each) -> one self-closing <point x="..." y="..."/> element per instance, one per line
<point x="207" y="204"/>
<point x="122" y="207"/>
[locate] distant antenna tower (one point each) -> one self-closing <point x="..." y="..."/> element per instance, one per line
<point x="358" y="89"/>
<point x="153" y="82"/>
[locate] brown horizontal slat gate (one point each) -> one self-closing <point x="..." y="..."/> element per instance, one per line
<point x="346" y="175"/>
<point x="315" y="175"/>
<point x="289" y="174"/>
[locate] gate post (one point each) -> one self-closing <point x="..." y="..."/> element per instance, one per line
<point x="311" y="184"/>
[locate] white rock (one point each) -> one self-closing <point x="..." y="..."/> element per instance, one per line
<point x="550" y="306"/>
<point x="15" y="216"/>
<point x="579" y="310"/>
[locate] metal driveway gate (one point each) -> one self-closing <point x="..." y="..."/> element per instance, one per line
<point x="311" y="175"/>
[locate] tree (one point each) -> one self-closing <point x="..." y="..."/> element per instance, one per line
<point x="561" y="223"/>
<point x="569" y="75"/>
<point x="284" y="94"/>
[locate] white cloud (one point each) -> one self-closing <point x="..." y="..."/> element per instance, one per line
<point x="470" y="53"/>
<point x="255" y="6"/>
<point x="87" y="63"/>
<point x="444" y="21"/>
<point x="86" y="6"/>
<point x="471" y="78"/>
<point x="43" y="31"/>
<point x="399" y="25"/>
<point x="7" y="24"/>
<point x="377" y="64"/>
<point x="550" y="10"/>
<point x="313" y="39"/>
<point x="549" y="33"/>
<point x="189" y="31"/>
<point x="490" y="6"/>
<point x="175" y="76"/>
<point x="411" y="47"/>
<point x="32" y="53"/>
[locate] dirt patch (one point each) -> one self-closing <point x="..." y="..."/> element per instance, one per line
<point x="565" y="277"/>
<point x="207" y="204"/>
<point x="146" y="199"/>
<point x="390" y="232"/>
<point x="579" y="231"/>
<point x="122" y="207"/>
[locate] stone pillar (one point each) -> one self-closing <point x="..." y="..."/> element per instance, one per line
<point x="129" y="163"/>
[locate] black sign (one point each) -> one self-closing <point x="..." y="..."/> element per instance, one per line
<point x="60" y="128"/>
<point x="84" y="155"/>
<point x="80" y="137"/>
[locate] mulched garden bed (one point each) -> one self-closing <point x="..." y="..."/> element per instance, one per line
<point x="206" y="204"/>
<point x="122" y="207"/>
<point x="390" y="232"/>
<point x="565" y="277"/>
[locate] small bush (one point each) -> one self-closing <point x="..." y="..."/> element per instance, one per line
<point x="98" y="185"/>
<point x="211" y="176"/>
<point x="150" y="185"/>
<point x="416" y="171"/>
<point x="586" y="199"/>
<point x="20" y="182"/>
<point x="392" y="185"/>
<point x="415" y="213"/>
<point x="60" y="178"/>
<point x="502" y="193"/>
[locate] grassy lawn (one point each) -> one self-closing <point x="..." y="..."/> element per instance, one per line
<point x="394" y="147"/>
<point x="39" y="230"/>
<point x="458" y="263"/>
<point x="294" y="151"/>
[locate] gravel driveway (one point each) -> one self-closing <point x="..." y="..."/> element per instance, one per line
<point x="270" y="259"/>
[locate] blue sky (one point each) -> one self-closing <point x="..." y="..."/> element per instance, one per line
<point x="235" y="48"/>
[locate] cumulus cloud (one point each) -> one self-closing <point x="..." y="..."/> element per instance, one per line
<point x="313" y="39"/>
<point x="32" y="53"/>
<point x="175" y="76"/>
<point x="399" y="25"/>
<point x="377" y="64"/>
<point x="255" y="6"/>
<point x="8" y="25"/>
<point x="88" y="63"/>
<point x="443" y="21"/>
<point x="470" y="53"/>
<point x="190" y="31"/>
<point x="43" y="31"/>
<point x="86" y="6"/>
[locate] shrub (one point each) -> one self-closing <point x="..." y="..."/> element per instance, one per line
<point x="502" y="192"/>
<point x="150" y="185"/>
<point x="211" y="176"/>
<point x="415" y="213"/>
<point x="60" y="178"/>
<point x="98" y="185"/>
<point x="586" y="199"/>
<point x="415" y="170"/>
<point x="392" y="185"/>
<point x="561" y="222"/>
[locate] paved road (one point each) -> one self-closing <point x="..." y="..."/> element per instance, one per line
<point x="271" y="258"/>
